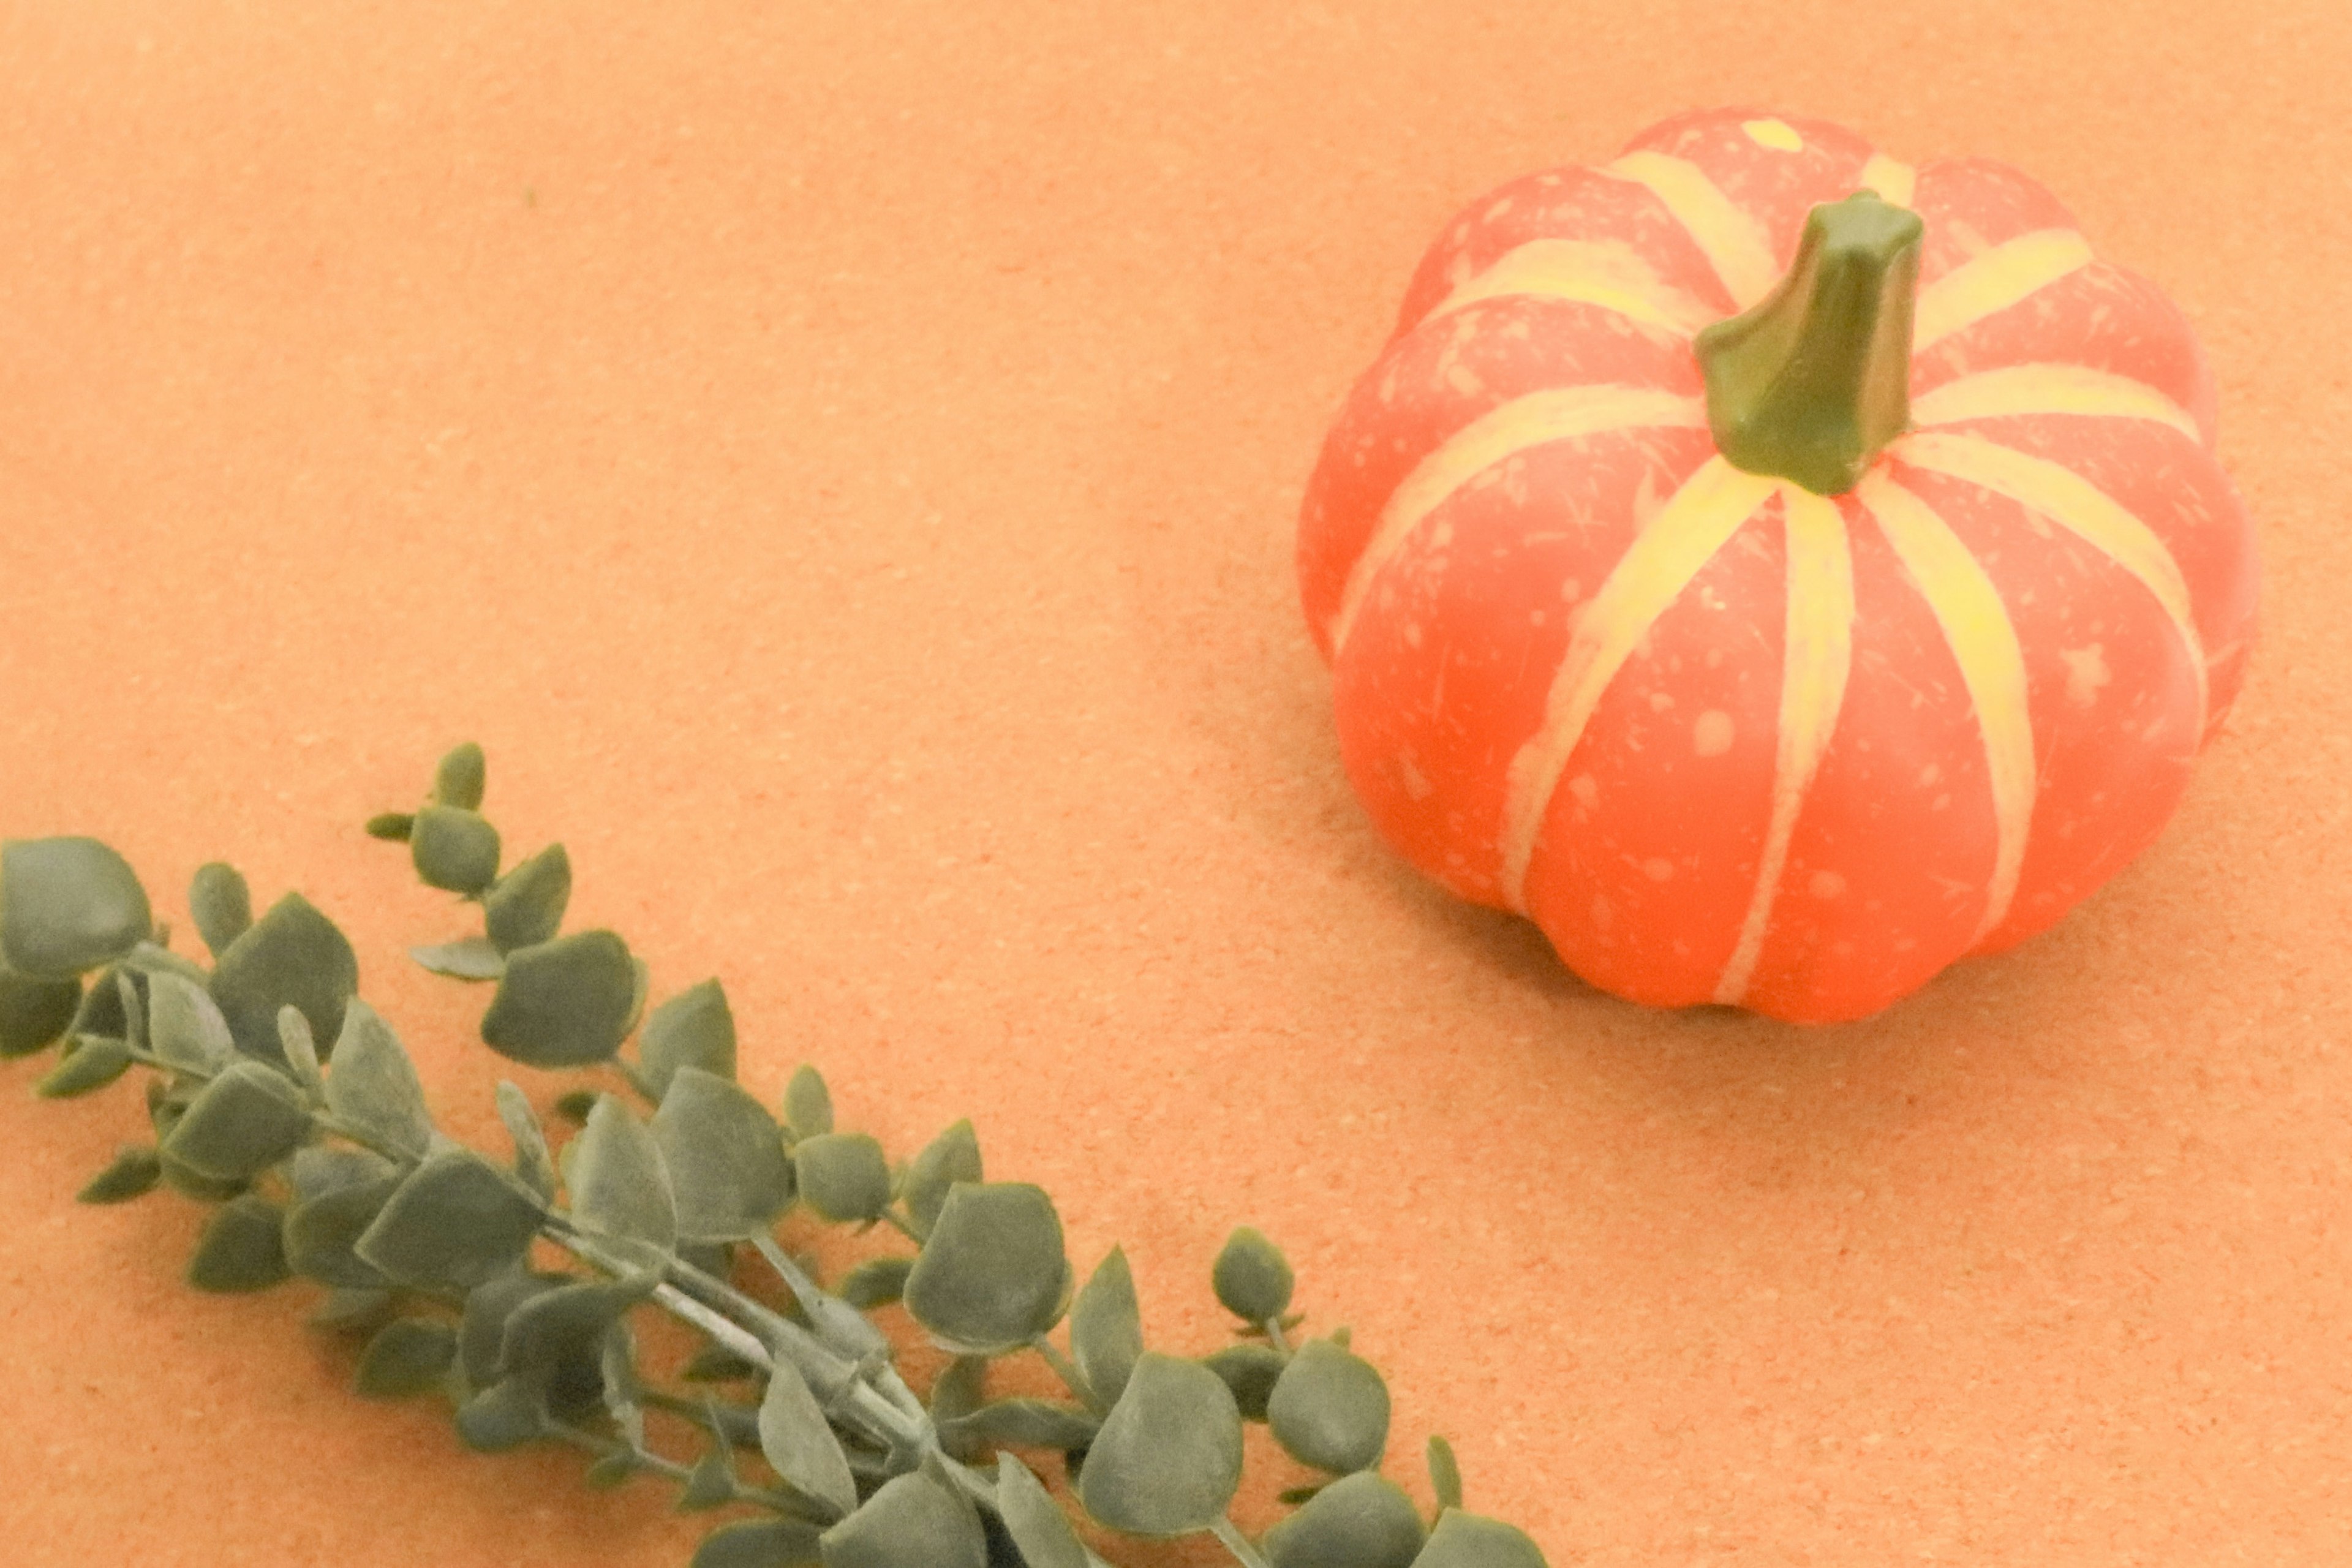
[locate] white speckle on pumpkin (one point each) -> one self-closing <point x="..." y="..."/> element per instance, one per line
<point x="1930" y="775"/>
<point x="1603" y="916"/>
<point x="1416" y="783"/>
<point x="1586" y="791"/>
<point x="1778" y="134"/>
<point x="1413" y="634"/>
<point x="1712" y="733"/>
<point x="1825" y="885"/>
<point x="1658" y="868"/>
<point x="1660" y="702"/>
<point x="1572" y="590"/>
<point x="2086" y="672"/>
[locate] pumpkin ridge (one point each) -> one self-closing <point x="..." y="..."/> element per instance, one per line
<point x="1983" y="640"/>
<point x="1554" y="415"/>
<point x="1611" y="275"/>
<point x="1732" y="239"/>
<point x="2049" y="388"/>
<point x="1992" y="280"/>
<point x="1699" y="519"/>
<point x="2075" y="504"/>
<point x="1817" y="658"/>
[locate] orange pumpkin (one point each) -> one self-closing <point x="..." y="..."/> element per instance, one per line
<point x="1777" y="571"/>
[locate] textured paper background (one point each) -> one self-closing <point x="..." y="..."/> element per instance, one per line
<point x="840" y="461"/>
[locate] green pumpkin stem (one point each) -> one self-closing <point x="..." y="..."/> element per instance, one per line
<point x="1813" y="381"/>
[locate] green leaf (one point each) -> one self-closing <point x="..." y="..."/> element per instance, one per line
<point x="1107" y="1330"/>
<point x="1169" y="1456"/>
<point x="292" y="956"/>
<point x="532" y="1163"/>
<point x="318" y="1169"/>
<point x="408" y="1355"/>
<point x="221" y="904"/>
<point x="712" y="1482"/>
<point x="563" y="1003"/>
<point x="728" y="1169"/>
<point x="1251" y="1370"/>
<point x="1035" y="1521"/>
<point x="843" y="1178"/>
<point x="373" y="1086"/>
<point x="552" y="1332"/>
<point x="149" y="958"/>
<point x="184" y="1027"/>
<point x="453" y="848"/>
<point x="392" y="825"/>
<point x="453" y="1221"/>
<point x="912" y="1521"/>
<point x="1362" y="1521"/>
<point x="301" y="1053"/>
<point x="799" y="1444"/>
<point x="502" y="1416"/>
<point x="203" y="1189"/>
<point x="244" y="1122"/>
<point x="322" y="1230"/>
<point x="612" y="1470"/>
<point x="102" y="1010"/>
<point x="876" y="1282"/>
<point x="239" y="1249"/>
<point x="90" y="1062"/>
<point x="460" y="777"/>
<point x="1330" y="1410"/>
<point x="695" y="1028"/>
<point x="573" y="1105"/>
<point x="525" y="907"/>
<point x="808" y="1104"/>
<point x="619" y="1185"/>
<point x="132" y="1173"/>
<point x="34" y="1013"/>
<point x="482" y="1333"/>
<point x="1027" y="1423"/>
<point x="66" y="905"/>
<point x="473" y="958"/>
<point x="1252" y="1277"/>
<point x="1472" y="1540"/>
<point x="953" y="1156"/>
<point x="989" y="1279"/>
<point x="759" y="1543"/>
<point x="717" y="1363"/>
<point x="961" y="1388"/>
<point x="1445" y="1473"/>
<point x="351" y="1311"/>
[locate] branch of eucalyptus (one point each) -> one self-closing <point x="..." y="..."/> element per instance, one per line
<point x="1274" y="1335"/>
<point x="1066" y="1369"/>
<point x="607" y="1448"/>
<point x="1238" y="1544"/>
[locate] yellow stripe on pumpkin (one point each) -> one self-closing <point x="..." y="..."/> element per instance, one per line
<point x="1993" y="280"/>
<point x="1697" y="521"/>
<point x="1608" y="274"/>
<point x="1735" y="244"/>
<point x="1557" y="414"/>
<point x="2049" y="389"/>
<point x="1892" y="179"/>
<point x="1983" y="639"/>
<point x="1818" y="654"/>
<point x="2075" y="504"/>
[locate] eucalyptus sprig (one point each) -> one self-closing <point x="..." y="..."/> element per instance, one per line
<point x="512" y="1285"/>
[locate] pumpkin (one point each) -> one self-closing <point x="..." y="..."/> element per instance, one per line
<point x="1777" y="571"/>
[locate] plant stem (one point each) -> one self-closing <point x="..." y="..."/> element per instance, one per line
<point x="1065" y="1369"/>
<point x="1238" y="1544"/>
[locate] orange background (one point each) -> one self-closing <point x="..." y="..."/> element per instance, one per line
<point x="840" y="461"/>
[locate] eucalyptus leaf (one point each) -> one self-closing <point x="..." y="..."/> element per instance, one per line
<point x="990" y="1275"/>
<point x="90" y="1062"/>
<point x="876" y="1282"/>
<point x="66" y="905"/>
<point x="453" y="1221"/>
<point x="244" y="1122"/>
<point x="373" y="1086"/>
<point x="101" y="1011"/>
<point x="34" y="1013"/>
<point x="1252" y="1278"/>
<point x="1107" y="1330"/>
<point x="619" y="1184"/>
<point x="460" y="776"/>
<point x="953" y="1156"/>
<point x="190" y="1184"/>
<point x="392" y="825"/>
<point x="322" y="1230"/>
<point x="913" y="1521"/>
<point x="1168" y="1458"/>
<point x="573" y="1105"/>
<point x="525" y="907"/>
<point x="239" y="1249"/>
<point x="502" y="1416"/>
<point x="318" y="1169"/>
<point x="1445" y="1473"/>
<point x="808" y="1104"/>
<point x="131" y="1174"/>
<point x="1028" y="1424"/>
<point x="729" y="1172"/>
<point x="473" y="958"/>
<point x="292" y="956"/>
<point x="799" y="1444"/>
<point x="407" y="1355"/>
<point x="1330" y="1410"/>
<point x="717" y="1363"/>
<point x="611" y="1471"/>
<point x="1472" y="1541"/>
<point x="695" y="1028"/>
<point x="221" y="903"/>
<point x="1361" y="1521"/>
<point x="533" y="1162"/>
<point x="1251" y="1370"/>
<point x="302" y="1052"/>
<point x="184" y="1026"/>
<point x="961" y="1388"/>
<point x="843" y="1178"/>
<point x="563" y="1003"/>
<point x="351" y="1311"/>
<point x="711" y="1484"/>
<point x="453" y="848"/>
<point x="1035" y="1521"/>
<point x="482" y="1331"/>
<point x="567" y="1325"/>
<point x="759" y="1543"/>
